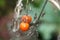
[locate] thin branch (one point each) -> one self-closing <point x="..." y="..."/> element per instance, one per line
<point x="42" y="10"/>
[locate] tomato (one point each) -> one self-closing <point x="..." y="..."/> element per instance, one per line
<point x="26" y="18"/>
<point x="24" y="26"/>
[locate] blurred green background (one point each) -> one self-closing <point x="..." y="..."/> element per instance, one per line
<point x="6" y="6"/>
<point x="50" y="21"/>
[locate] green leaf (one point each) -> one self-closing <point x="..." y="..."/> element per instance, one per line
<point x="37" y="3"/>
<point x="2" y="3"/>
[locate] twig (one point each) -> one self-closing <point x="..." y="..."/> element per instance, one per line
<point x="42" y="10"/>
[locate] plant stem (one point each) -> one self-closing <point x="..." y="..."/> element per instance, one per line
<point x="42" y="10"/>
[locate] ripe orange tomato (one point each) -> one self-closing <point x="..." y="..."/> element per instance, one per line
<point x="24" y="26"/>
<point x="26" y="18"/>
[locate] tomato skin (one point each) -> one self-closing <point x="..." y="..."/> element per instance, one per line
<point x="24" y="26"/>
<point x="26" y="18"/>
<point x="30" y="19"/>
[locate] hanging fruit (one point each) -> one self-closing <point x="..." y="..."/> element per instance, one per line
<point x="26" y="18"/>
<point x="24" y="26"/>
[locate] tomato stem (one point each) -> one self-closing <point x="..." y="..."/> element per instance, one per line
<point x="42" y="10"/>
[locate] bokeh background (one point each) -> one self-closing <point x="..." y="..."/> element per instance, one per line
<point x="6" y="13"/>
<point x="49" y="28"/>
